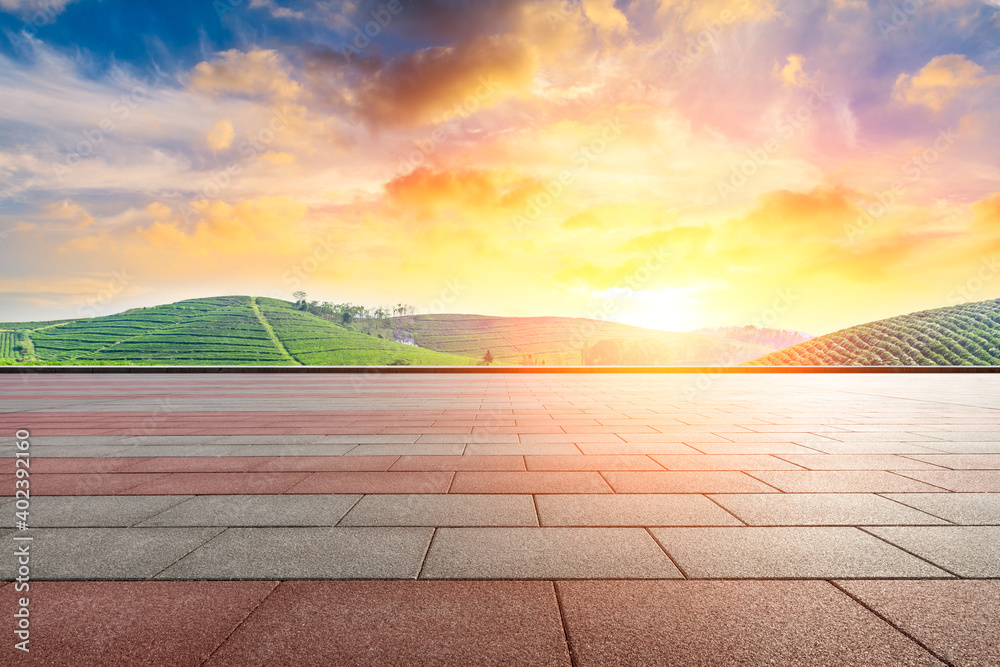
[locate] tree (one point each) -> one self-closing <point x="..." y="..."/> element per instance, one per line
<point x="299" y="296"/>
<point x="488" y="358"/>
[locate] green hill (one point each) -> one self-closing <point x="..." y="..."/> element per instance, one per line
<point x="561" y="340"/>
<point x="965" y="335"/>
<point x="230" y="330"/>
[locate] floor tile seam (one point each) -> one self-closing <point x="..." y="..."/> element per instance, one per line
<point x="884" y="494"/>
<point x="818" y="451"/>
<point x="563" y="622"/>
<point x="144" y="519"/>
<point x="538" y="514"/>
<point x="936" y="465"/>
<point x="361" y="496"/>
<point x="885" y="619"/>
<point x="911" y="553"/>
<point x="725" y="509"/>
<point x="600" y="473"/>
<point x="650" y="457"/>
<point x="157" y="478"/>
<point x="902" y="473"/>
<point x="423" y="557"/>
<point x="186" y="554"/>
<point x="241" y="621"/>
<point x="747" y="473"/>
<point x="778" y="456"/>
<point x="663" y="548"/>
<point x="688" y="444"/>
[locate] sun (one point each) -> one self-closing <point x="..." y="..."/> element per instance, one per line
<point x="672" y="309"/>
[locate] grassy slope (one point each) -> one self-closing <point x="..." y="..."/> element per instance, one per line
<point x="966" y="335"/>
<point x="314" y="341"/>
<point x="559" y="340"/>
<point x="220" y="330"/>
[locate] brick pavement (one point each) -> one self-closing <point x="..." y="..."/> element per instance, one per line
<point x="508" y="518"/>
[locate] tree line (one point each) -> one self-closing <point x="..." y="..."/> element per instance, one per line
<point x="346" y="313"/>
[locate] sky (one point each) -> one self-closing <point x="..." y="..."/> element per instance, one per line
<point x="675" y="164"/>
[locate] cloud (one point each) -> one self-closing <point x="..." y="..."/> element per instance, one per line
<point x="698" y="14"/>
<point x="439" y="82"/>
<point x="792" y="74"/>
<point x="70" y="212"/>
<point x="475" y="196"/>
<point x="276" y="10"/>
<point x="253" y="74"/>
<point x="940" y="81"/>
<point x="220" y="137"/>
<point x="30" y="9"/>
<point x="605" y="15"/>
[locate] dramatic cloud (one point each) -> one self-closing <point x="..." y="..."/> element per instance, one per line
<point x="441" y="82"/>
<point x="674" y="163"/>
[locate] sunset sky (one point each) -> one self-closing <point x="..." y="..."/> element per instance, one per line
<point x="669" y="163"/>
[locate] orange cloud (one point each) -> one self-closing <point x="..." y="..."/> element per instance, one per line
<point x="221" y="136"/>
<point x="605" y="15"/>
<point x="256" y="73"/>
<point x="793" y="74"/>
<point x="940" y="81"/>
<point x="477" y="194"/>
<point x="71" y="212"/>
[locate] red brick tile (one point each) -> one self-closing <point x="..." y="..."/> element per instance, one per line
<point x="722" y="481"/>
<point x="217" y="483"/>
<point x="84" y="623"/>
<point x="327" y="463"/>
<point x="452" y="463"/>
<point x="76" y="465"/>
<point x="401" y="623"/>
<point x="529" y="482"/>
<point x="88" y="484"/>
<point x="727" y="623"/>
<point x="609" y="462"/>
<point x="198" y="464"/>
<point x="845" y="481"/>
<point x="637" y="428"/>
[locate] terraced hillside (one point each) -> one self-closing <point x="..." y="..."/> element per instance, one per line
<point x="313" y="341"/>
<point x="965" y="335"/>
<point x="560" y="340"/>
<point x="230" y="330"/>
<point x="8" y="341"/>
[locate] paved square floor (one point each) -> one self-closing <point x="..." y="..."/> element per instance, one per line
<point x="504" y="518"/>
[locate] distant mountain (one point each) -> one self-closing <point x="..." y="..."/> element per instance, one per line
<point x="775" y="339"/>
<point x="965" y="335"/>
<point x="562" y="340"/>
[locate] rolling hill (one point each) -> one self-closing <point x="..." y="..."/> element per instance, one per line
<point x="229" y="330"/>
<point x="244" y="330"/>
<point x="965" y="335"/>
<point x="561" y="340"/>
